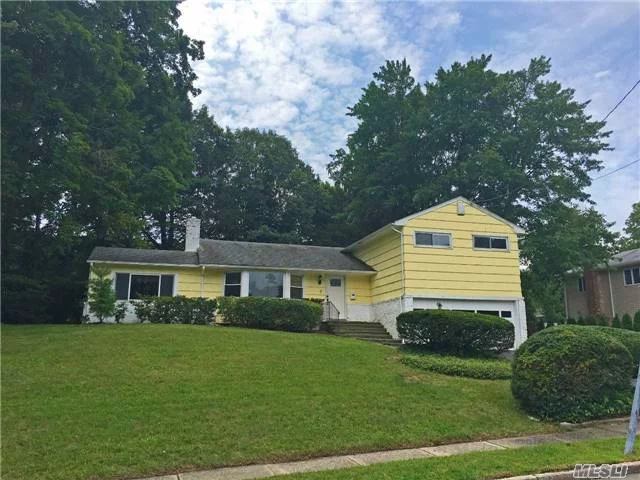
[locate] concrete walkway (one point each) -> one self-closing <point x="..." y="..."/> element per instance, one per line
<point x="593" y="430"/>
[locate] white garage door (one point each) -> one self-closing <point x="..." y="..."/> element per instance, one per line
<point x="504" y="309"/>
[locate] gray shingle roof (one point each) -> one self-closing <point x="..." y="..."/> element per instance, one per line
<point x="624" y="259"/>
<point x="277" y="255"/>
<point x="240" y="254"/>
<point x="140" y="255"/>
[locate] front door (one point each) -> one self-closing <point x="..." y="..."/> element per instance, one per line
<point x="335" y="294"/>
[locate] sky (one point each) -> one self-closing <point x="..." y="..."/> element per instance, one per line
<point x="296" y="67"/>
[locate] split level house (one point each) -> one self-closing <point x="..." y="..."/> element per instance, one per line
<point x="455" y="255"/>
<point x="610" y="289"/>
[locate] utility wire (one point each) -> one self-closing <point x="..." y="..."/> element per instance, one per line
<point x="622" y="100"/>
<point x="616" y="170"/>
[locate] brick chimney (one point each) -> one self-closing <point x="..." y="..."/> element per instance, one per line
<point x="192" y="236"/>
<point x="597" y="292"/>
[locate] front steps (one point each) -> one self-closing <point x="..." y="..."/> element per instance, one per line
<point x="367" y="331"/>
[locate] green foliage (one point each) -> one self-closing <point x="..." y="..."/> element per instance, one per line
<point x="627" y="322"/>
<point x="484" y="368"/>
<point x="615" y="323"/>
<point x="636" y="321"/>
<point x="270" y="313"/>
<point x="631" y="238"/>
<point x="120" y="312"/>
<point x="581" y="320"/>
<point x="102" y="296"/>
<point x="178" y="309"/>
<point x="631" y="340"/>
<point x="571" y="373"/>
<point x="461" y="333"/>
<point x="571" y="321"/>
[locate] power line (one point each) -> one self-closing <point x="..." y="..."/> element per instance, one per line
<point x="622" y="100"/>
<point x="616" y="170"/>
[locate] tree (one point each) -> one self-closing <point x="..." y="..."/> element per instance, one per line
<point x="627" y="322"/>
<point x="95" y="109"/>
<point x="102" y="297"/>
<point x="631" y="238"/>
<point x="512" y="142"/>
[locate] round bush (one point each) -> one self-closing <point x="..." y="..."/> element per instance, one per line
<point x="456" y="332"/>
<point x="629" y="339"/>
<point x="572" y="373"/>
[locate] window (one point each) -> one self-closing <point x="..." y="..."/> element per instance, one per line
<point x="632" y="276"/>
<point x="427" y="239"/>
<point x="335" y="282"/>
<point x="581" y="286"/>
<point x="232" y="284"/>
<point x="505" y="314"/>
<point x="489" y="242"/>
<point x="296" y="287"/>
<point x="265" y="284"/>
<point x="135" y="286"/>
<point x="495" y="313"/>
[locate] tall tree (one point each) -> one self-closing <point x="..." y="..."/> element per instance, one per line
<point x="510" y="141"/>
<point x="631" y="238"/>
<point x="95" y="106"/>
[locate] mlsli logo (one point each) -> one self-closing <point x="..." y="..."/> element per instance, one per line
<point x="589" y="470"/>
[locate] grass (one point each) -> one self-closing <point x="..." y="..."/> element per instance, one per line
<point x="493" y="368"/>
<point x="486" y="465"/>
<point x="120" y="401"/>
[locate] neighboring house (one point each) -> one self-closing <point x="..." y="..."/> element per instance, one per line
<point x="610" y="289"/>
<point x="455" y="255"/>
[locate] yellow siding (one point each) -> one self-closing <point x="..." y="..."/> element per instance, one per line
<point x="383" y="255"/>
<point x="310" y="286"/>
<point x="188" y="279"/>
<point x="460" y="270"/>
<point x="360" y="285"/>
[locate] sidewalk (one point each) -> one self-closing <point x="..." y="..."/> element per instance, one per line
<point x="593" y="430"/>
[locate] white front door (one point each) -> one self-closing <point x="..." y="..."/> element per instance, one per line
<point x="335" y="294"/>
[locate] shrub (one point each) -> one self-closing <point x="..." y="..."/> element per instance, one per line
<point x="271" y="313"/>
<point x="102" y="297"/>
<point x="484" y="368"/>
<point x="456" y="332"/>
<point x="631" y="340"/>
<point x="627" y="322"/>
<point x="615" y="323"/>
<point x="636" y="321"/>
<point x="571" y="321"/>
<point x="571" y="373"/>
<point x="178" y="309"/>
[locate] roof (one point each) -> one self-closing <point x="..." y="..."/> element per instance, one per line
<point x="403" y="221"/>
<point x="226" y="253"/>
<point x="619" y="260"/>
<point x="143" y="256"/>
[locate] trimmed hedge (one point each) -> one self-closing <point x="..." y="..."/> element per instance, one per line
<point x="456" y="332"/>
<point x="178" y="309"/>
<point x="572" y="373"/>
<point x="629" y="339"/>
<point x="483" y="368"/>
<point x="271" y="313"/>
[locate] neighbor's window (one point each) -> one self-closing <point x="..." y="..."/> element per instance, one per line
<point x="490" y="242"/>
<point x="428" y="239"/>
<point x="581" y="285"/>
<point x="265" y="284"/>
<point x="134" y="286"/>
<point x="632" y="276"/>
<point x="232" y="284"/>
<point x="296" y="286"/>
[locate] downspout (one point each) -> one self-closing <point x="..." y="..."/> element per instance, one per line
<point x="613" y="306"/>
<point x="401" y="268"/>
<point x="566" y="301"/>
<point x="202" y="282"/>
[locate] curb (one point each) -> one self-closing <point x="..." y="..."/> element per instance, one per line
<point x="633" y="467"/>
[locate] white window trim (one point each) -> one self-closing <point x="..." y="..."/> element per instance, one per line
<point x="490" y="235"/>
<point x="301" y="275"/>
<point x="416" y="244"/>
<point x="224" y="281"/>
<point x="624" y="280"/>
<point x="174" y="292"/>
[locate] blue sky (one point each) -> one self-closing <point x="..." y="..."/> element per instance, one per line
<point x="295" y="67"/>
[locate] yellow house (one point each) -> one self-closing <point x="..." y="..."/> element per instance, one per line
<point x="455" y="255"/>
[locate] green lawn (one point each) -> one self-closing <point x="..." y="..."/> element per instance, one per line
<point x="119" y="401"/>
<point x="486" y="465"/>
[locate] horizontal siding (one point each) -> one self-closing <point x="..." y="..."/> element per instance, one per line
<point x="383" y="255"/>
<point x="310" y="286"/>
<point x="361" y="286"/>
<point x="460" y="270"/>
